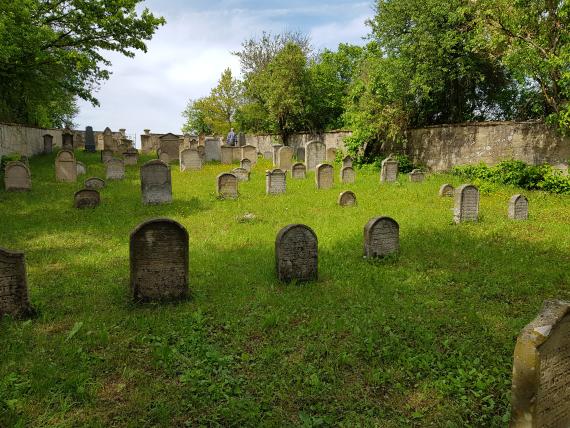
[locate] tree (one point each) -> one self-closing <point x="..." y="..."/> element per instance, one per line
<point x="195" y="120"/>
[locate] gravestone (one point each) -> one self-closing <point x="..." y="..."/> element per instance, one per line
<point x="249" y="152"/>
<point x="518" y="207"/>
<point x="94" y="183"/>
<point x="267" y="155"/>
<point x="241" y="139"/>
<point x="227" y="185"/>
<point x="296" y="254"/>
<point x="331" y="154"/>
<point x="202" y="153"/>
<point x="212" y="150"/>
<point x="170" y="145"/>
<point x="106" y="155"/>
<point x="227" y="155"/>
<point x="131" y="156"/>
<point x="298" y="170"/>
<point x="347" y="199"/>
<point x="347" y="161"/>
<point x="108" y="140"/>
<point x="159" y="261"/>
<point x="285" y="158"/>
<point x="446" y="190"/>
<point x="193" y="144"/>
<point x="65" y="168"/>
<point x="14" y="285"/>
<point x="275" y="150"/>
<point x="89" y="140"/>
<point x="156" y="183"/>
<point x="381" y="237"/>
<point x="190" y="160"/>
<point x="115" y="169"/>
<point x="416" y="176"/>
<point x="241" y="173"/>
<point x="540" y="395"/>
<point x="300" y="154"/>
<point x="164" y="157"/>
<point x="67" y="140"/>
<point x="245" y="164"/>
<point x="48" y="143"/>
<point x="315" y="154"/>
<point x="17" y="177"/>
<point x="466" y="204"/>
<point x="324" y="176"/>
<point x="389" y="171"/>
<point x="275" y="181"/>
<point x="347" y="175"/>
<point x="86" y="198"/>
<point x="81" y="168"/>
<point x="236" y="154"/>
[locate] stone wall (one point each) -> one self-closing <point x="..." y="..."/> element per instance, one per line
<point x="25" y="140"/>
<point x="331" y="139"/>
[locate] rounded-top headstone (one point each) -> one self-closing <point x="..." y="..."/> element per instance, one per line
<point x="156" y="183"/>
<point x="298" y="170"/>
<point x="17" y="177"/>
<point x="86" y="198"/>
<point x="324" y="176"/>
<point x="245" y="164"/>
<point x="416" y="176"/>
<point x="347" y="198"/>
<point x="518" y="207"/>
<point x="65" y="167"/>
<point x="466" y="204"/>
<point x="296" y="254"/>
<point x="347" y="174"/>
<point x="381" y="237"/>
<point x="446" y="190"/>
<point x="227" y="185"/>
<point x="94" y="183"/>
<point x="389" y="171"/>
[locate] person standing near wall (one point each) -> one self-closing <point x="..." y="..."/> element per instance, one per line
<point x="231" y="138"/>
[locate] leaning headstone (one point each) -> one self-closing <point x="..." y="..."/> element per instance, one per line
<point x="324" y="176"/>
<point x="245" y="164"/>
<point x="94" y="183"/>
<point x="381" y="237"/>
<point x="227" y="185"/>
<point x="347" y="199"/>
<point x="466" y="204"/>
<point x="315" y="154"/>
<point x="115" y="169"/>
<point x="446" y="190"/>
<point x="17" y="177"/>
<point x="190" y="160"/>
<point x="416" y="176"/>
<point x="275" y="181"/>
<point x="518" y="207"/>
<point x="156" y="183"/>
<point x="227" y="155"/>
<point x="67" y="140"/>
<point x="285" y="158"/>
<point x="81" y="168"/>
<point x="275" y="149"/>
<point x="14" y="285"/>
<point x="65" y="168"/>
<point x="212" y="150"/>
<point x="296" y="254"/>
<point x="331" y="154"/>
<point x="106" y="155"/>
<point x="170" y="145"/>
<point x="108" y="141"/>
<point x="48" y="143"/>
<point x="86" y="198"/>
<point x="159" y="261"/>
<point x="540" y="395"/>
<point x="347" y="161"/>
<point x="347" y="174"/>
<point x="89" y="140"/>
<point x="131" y="156"/>
<point x="389" y="171"/>
<point x="298" y="170"/>
<point x="249" y="152"/>
<point x="241" y="173"/>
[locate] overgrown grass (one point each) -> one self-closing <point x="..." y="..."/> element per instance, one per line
<point x="422" y="339"/>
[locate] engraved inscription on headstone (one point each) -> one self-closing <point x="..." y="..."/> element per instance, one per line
<point x="94" y="183"/>
<point x="48" y="143"/>
<point x="156" y="183"/>
<point x="347" y="161"/>
<point x="14" y="285"/>
<point x="212" y="150"/>
<point x="324" y="176"/>
<point x="466" y="204"/>
<point x="331" y="154"/>
<point x="416" y="176"/>
<point x="89" y="139"/>
<point x="296" y="254"/>
<point x="381" y="237"/>
<point x="245" y="164"/>
<point x="446" y="190"/>
<point x="285" y="158"/>
<point x="190" y="160"/>
<point x="315" y="154"/>
<point x="518" y="207"/>
<point x="298" y="170"/>
<point x="241" y="173"/>
<point x="249" y="152"/>
<point x="17" y="177"/>
<point x="346" y="199"/>
<point x="65" y="168"/>
<point x="389" y="171"/>
<point x="347" y="174"/>
<point x="115" y="169"/>
<point x="227" y="155"/>
<point x="227" y="185"/>
<point x="86" y="198"/>
<point x="275" y="181"/>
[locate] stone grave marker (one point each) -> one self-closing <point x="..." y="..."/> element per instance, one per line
<point x="389" y="171"/>
<point x="300" y="154"/>
<point x="245" y="164"/>
<point x="159" y="261"/>
<point x="285" y="158"/>
<point x="190" y="160"/>
<point x="249" y="152"/>
<point x="347" y="161"/>
<point x="202" y="152"/>
<point x="381" y="237"/>
<point x="446" y="190"/>
<point x="108" y="141"/>
<point x="298" y="171"/>
<point x="275" y="150"/>
<point x="17" y="177"/>
<point x="347" y="175"/>
<point x="296" y="254"/>
<point x="242" y="174"/>
<point x="267" y="155"/>
<point x="540" y="395"/>
<point x="94" y="183"/>
<point x="156" y="183"/>
<point x="67" y="140"/>
<point x="416" y="176"/>
<point x="106" y="155"/>
<point x="315" y="154"/>
<point x="227" y="185"/>
<point x="86" y="198"/>
<point x="227" y="155"/>
<point x="65" y="168"/>
<point x="81" y="168"/>
<point x="518" y="207"/>
<point x="331" y="154"/>
<point x="170" y="145"/>
<point x="14" y="285"/>
<point x="275" y="181"/>
<point x="115" y="169"/>
<point x="89" y="139"/>
<point x="48" y="143"/>
<point x="236" y="154"/>
<point x="212" y="150"/>
<point x="131" y="156"/>
<point x="241" y="139"/>
<point x="466" y="204"/>
<point x="164" y="157"/>
<point x="347" y="199"/>
<point x="324" y="176"/>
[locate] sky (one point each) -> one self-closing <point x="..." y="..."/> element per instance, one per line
<point x="186" y="57"/>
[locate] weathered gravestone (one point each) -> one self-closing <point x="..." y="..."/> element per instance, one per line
<point x="170" y="145"/>
<point x="190" y="160"/>
<point x="315" y="154"/>
<point x="236" y="154"/>
<point x="381" y="237"/>
<point x="518" y="207"/>
<point x="331" y="154"/>
<point x="245" y="164"/>
<point x="249" y="152"/>
<point x="227" y="155"/>
<point x="67" y="140"/>
<point x="212" y="150"/>
<point x="17" y="177"/>
<point x="275" y="181"/>
<point x="540" y="394"/>
<point x="346" y="199"/>
<point x="164" y="157"/>
<point x="300" y="154"/>
<point x="298" y="170"/>
<point x="106" y="155"/>
<point x="267" y="155"/>
<point x="275" y="150"/>
<point x="416" y="176"/>
<point x="389" y="171"/>
<point x="131" y="156"/>
<point x="241" y="140"/>
<point x="14" y="285"/>
<point x="347" y="174"/>
<point x="285" y="158"/>
<point x="227" y="185"/>
<point x="466" y="204"/>
<point x="156" y="183"/>
<point x="89" y="140"/>
<point x="108" y="141"/>
<point x="115" y="169"/>
<point x="242" y="174"/>
<point x="48" y="143"/>
<point x="324" y="176"/>
<point x="86" y="198"/>
<point x="94" y="183"/>
<point x="446" y="190"/>
<point x="81" y="168"/>
<point x="65" y="168"/>
<point x="159" y="261"/>
<point x="296" y="254"/>
<point x="347" y="161"/>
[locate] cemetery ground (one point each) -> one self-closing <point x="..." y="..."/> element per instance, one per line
<point x="424" y="338"/>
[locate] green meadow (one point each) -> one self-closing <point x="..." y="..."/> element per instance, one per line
<point x="424" y="338"/>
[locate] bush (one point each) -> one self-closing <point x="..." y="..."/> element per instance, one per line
<point x="8" y="158"/>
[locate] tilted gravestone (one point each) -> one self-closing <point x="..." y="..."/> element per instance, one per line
<point x="131" y="156"/>
<point x="109" y="142"/>
<point x="346" y="199"/>
<point x="540" y="395"/>
<point x="156" y="183"/>
<point x="94" y="183"/>
<point x="170" y="145"/>
<point x="48" y="143"/>
<point x="17" y="177"/>
<point x="81" y="168"/>
<point x="315" y="154"/>
<point x="275" y="151"/>
<point x="86" y="198"/>
<point x="416" y="176"/>
<point x="227" y="185"/>
<point x="227" y="155"/>
<point x="381" y="237"/>
<point x="245" y="164"/>
<point x="296" y="254"/>
<point x="466" y="204"/>
<point x="14" y="285"/>
<point x="159" y="261"/>
<point x="212" y="150"/>
<point x="331" y="154"/>
<point x="242" y="174"/>
<point x="347" y="161"/>
<point x="446" y="190"/>
<point x="324" y="176"/>
<point x="285" y="158"/>
<point x="275" y="181"/>
<point x="347" y="175"/>
<point x="115" y="169"/>
<point x="298" y="171"/>
<point x="89" y="140"/>
<point x="389" y="171"/>
<point x="190" y="160"/>
<point x="67" y="140"/>
<point x="518" y="207"/>
<point x="106" y="155"/>
<point x="65" y="168"/>
<point x="249" y="152"/>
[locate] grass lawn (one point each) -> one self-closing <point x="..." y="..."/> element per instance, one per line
<point x="421" y="339"/>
